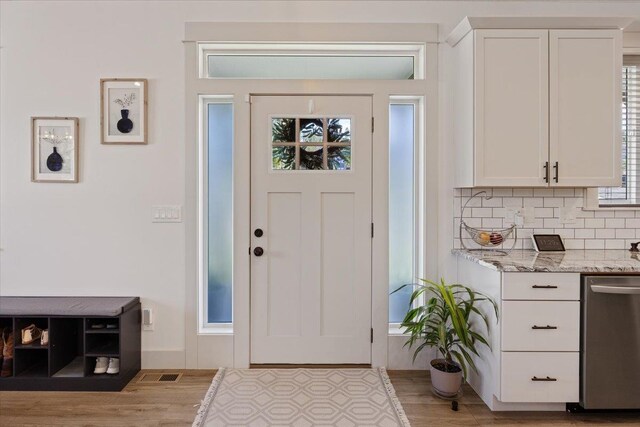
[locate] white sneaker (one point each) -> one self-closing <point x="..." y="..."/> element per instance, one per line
<point x="114" y="365"/>
<point x="101" y="365"/>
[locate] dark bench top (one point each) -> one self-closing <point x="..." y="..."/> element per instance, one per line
<point x="66" y="306"/>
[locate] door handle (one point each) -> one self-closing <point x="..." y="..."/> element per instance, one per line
<point x="544" y="287"/>
<point x="622" y="290"/>
<point x="556" y="169"/>
<point x="258" y="251"/>
<point x="548" y="378"/>
<point x="258" y="232"/>
<point x="546" y="172"/>
<point x="544" y="327"/>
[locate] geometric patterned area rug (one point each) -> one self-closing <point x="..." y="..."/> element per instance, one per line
<point x="301" y="398"/>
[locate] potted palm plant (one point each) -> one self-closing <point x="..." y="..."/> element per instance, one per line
<point x="446" y="322"/>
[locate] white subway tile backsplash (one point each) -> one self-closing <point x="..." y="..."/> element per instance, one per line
<point x="566" y="233"/>
<point x="574" y="244"/>
<point x="495" y="202"/>
<point x="482" y="212"/>
<point x="594" y="223"/>
<point x="578" y="223"/>
<point x="614" y="244"/>
<point x="614" y="223"/>
<point x="594" y="244"/>
<point x="599" y="229"/>
<point x="532" y="202"/>
<point x="553" y="202"/>
<point x="584" y="214"/>
<point x="633" y="223"/>
<point x="552" y="223"/>
<point x="625" y="214"/>
<point x="502" y="192"/>
<point x="576" y="202"/>
<point x="525" y="192"/>
<point x="604" y="214"/>
<point x="512" y="202"/>
<point x="605" y="233"/>
<point x="544" y="213"/>
<point x="542" y="192"/>
<point x="564" y="192"/>
<point x="625" y="233"/>
<point x="585" y="233"/>
<point x="493" y="223"/>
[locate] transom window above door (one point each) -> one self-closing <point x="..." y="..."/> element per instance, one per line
<point x="312" y="61"/>
<point x="311" y="143"/>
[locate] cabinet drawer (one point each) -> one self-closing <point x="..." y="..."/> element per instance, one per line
<point x="539" y="377"/>
<point x="541" y="326"/>
<point x="541" y="286"/>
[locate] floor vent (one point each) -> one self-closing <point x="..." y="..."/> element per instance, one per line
<point x="152" y="377"/>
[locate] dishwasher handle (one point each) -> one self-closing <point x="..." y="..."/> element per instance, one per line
<point x="622" y="290"/>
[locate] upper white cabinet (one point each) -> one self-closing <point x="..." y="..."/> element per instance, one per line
<point x="585" y="72"/>
<point x="537" y="107"/>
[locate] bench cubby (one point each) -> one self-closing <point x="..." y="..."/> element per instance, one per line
<point x="80" y="330"/>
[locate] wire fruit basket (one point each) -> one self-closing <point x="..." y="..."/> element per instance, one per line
<point x="487" y="239"/>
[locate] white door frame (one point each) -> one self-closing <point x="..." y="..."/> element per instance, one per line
<point x="198" y="346"/>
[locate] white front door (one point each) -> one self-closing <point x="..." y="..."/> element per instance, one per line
<point x="311" y="229"/>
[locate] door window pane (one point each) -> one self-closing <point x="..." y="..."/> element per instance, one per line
<point x="220" y="213"/>
<point x="283" y="130"/>
<point x="317" y="144"/>
<point x="339" y="158"/>
<point x="401" y="207"/>
<point x="339" y="130"/>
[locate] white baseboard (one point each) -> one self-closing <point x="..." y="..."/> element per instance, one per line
<point x="163" y="359"/>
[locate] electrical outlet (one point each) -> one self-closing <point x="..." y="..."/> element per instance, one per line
<point x="568" y="215"/>
<point x="528" y="216"/>
<point x="147" y="319"/>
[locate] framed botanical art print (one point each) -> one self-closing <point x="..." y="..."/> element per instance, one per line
<point x="54" y="149"/>
<point x="123" y="111"/>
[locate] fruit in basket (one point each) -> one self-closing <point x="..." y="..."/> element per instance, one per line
<point x="484" y="237"/>
<point x="496" y="238"/>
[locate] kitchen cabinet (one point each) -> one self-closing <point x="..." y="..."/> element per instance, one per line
<point x="534" y="360"/>
<point x="537" y="107"/>
<point x="585" y="98"/>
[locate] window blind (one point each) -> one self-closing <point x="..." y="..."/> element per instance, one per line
<point x="629" y="192"/>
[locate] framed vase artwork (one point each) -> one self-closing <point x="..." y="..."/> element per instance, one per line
<point x="54" y="149"/>
<point x="123" y="111"/>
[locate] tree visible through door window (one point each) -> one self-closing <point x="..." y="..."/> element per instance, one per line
<point x="401" y="207"/>
<point x="311" y="143"/>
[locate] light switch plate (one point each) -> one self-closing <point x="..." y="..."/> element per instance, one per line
<point x="166" y="213"/>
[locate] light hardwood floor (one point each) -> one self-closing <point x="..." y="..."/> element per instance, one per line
<point x="175" y="404"/>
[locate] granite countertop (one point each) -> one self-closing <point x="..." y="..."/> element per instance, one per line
<point x="574" y="261"/>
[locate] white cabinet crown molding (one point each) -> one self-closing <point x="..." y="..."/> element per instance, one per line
<point x="532" y="23"/>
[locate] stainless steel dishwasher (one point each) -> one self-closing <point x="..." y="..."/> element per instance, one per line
<point x="610" y="344"/>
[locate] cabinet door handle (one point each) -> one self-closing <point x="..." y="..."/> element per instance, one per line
<point x="544" y="287"/>
<point x="544" y="327"/>
<point x="556" y="169"/>
<point x="546" y="172"/>
<point x="548" y="378"/>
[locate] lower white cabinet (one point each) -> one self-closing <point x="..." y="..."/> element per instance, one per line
<point x="534" y="360"/>
<point x="539" y="377"/>
<point x="540" y="326"/>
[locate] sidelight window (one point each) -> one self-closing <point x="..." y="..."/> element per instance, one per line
<point x="218" y="218"/>
<point x="403" y="174"/>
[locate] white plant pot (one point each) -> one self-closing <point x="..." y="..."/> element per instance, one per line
<point x="446" y="384"/>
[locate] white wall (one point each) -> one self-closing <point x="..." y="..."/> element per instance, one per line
<point x="96" y="237"/>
